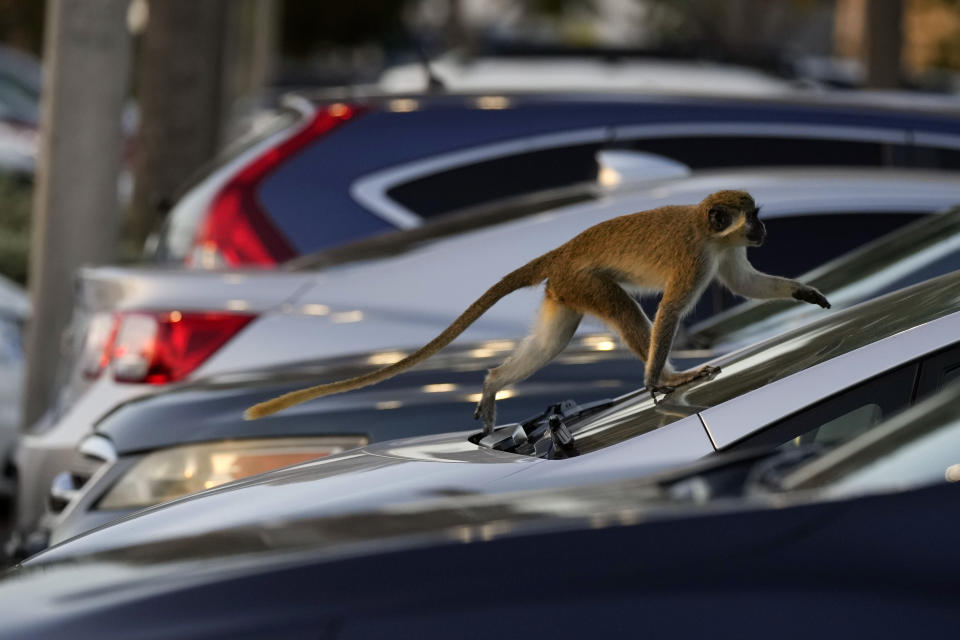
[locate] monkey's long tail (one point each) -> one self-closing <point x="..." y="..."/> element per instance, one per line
<point x="528" y="275"/>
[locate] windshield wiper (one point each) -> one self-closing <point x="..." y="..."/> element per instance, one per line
<point x="546" y="435"/>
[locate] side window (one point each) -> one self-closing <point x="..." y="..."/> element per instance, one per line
<point x="739" y="151"/>
<point x="797" y="243"/>
<point x="843" y="416"/>
<point x="934" y="157"/>
<point x="939" y="369"/>
<point x="497" y="179"/>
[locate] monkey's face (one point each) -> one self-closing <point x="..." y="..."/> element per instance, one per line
<point x="737" y="226"/>
<point x="733" y="219"/>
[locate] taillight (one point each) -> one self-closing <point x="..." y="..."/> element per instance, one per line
<point x="98" y="344"/>
<point x="158" y="348"/>
<point x="161" y="347"/>
<point x="236" y="230"/>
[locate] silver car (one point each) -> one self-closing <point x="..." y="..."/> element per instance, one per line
<point x="821" y="384"/>
<point x="400" y="299"/>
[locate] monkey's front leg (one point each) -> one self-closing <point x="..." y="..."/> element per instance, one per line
<point x="660" y="377"/>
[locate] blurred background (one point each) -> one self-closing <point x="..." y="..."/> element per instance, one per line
<point x="111" y="111"/>
<point x="193" y="75"/>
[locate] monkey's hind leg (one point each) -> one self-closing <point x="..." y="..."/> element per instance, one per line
<point x="554" y="328"/>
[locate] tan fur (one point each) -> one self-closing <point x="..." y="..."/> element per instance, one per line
<point x="673" y="249"/>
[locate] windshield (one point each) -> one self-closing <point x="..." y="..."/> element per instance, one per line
<point x="774" y="359"/>
<point x="921" y="446"/>
<point x="918" y="251"/>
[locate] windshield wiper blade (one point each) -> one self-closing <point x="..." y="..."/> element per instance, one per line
<point x="545" y="435"/>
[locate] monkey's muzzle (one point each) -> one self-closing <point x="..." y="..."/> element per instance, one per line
<point x="756" y="236"/>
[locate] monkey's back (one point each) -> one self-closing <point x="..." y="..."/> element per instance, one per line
<point x="642" y="248"/>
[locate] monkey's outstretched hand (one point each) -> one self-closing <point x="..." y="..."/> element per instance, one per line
<point x="811" y="295"/>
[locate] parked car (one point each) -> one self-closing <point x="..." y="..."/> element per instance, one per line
<point x="326" y="171"/>
<point x="823" y="383"/>
<point x="21" y="83"/>
<point x="200" y="425"/>
<point x="367" y="306"/>
<point x="14" y="311"/>
<point x="209" y="410"/>
<point x="605" y="71"/>
<point x="733" y="545"/>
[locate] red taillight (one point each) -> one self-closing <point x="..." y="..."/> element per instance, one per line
<point x="98" y="344"/>
<point x="236" y="231"/>
<point x="161" y="347"/>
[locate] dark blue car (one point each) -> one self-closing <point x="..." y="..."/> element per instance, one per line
<point x="322" y="172"/>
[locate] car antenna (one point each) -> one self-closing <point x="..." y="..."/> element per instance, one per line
<point x="434" y="84"/>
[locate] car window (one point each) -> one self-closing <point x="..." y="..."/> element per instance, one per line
<point x="939" y="369"/>
<point x="909" y="256"/>
<point x="934" y="157"/>
<point x="738" y="151"/>
<point x="917" y="447"/>
<point x="797" y="243"/>
<point x="841" y="417"/>
<point x="498" y="179"/>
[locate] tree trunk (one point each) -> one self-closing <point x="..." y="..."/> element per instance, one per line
<point x="180" y="75"/>
<point x="76" y="213"/>
<point x="883" y="43"/>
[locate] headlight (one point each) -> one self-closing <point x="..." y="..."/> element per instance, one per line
<point x="175" y="472"/>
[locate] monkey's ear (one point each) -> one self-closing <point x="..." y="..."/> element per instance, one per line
<point x="720" y="218"/>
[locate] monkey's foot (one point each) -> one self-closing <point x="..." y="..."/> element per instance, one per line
<point x="661" y="389"/>
<point x="678" y="379"/>
<point x="707" y="371"/>
<point x="487" y="412"/>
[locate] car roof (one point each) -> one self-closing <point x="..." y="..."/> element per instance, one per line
<point x="908" y="104"/>
<point x="810" y="189"/>
<point x="896" y="328"/>
<point x="413" y="266"/>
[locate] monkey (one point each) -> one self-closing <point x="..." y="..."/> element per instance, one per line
<point x="676" y="249"/>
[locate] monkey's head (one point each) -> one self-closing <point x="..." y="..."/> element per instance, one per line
<point x="732" y="218"/>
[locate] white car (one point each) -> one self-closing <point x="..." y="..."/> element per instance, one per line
<point x="138" y="328"/>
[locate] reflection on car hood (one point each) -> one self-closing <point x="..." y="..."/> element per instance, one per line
<point x="355" y="481"/>
<point x="591" y="368"/>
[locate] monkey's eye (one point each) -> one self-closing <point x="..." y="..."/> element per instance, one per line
<point x="719" y="219"/>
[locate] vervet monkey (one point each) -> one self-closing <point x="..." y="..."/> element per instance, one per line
<point x="674" y="249"/>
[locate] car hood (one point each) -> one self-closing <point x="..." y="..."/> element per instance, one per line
<point x="381" y="477"/>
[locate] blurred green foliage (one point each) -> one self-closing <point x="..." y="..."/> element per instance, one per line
<point x="16" y="200"/>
